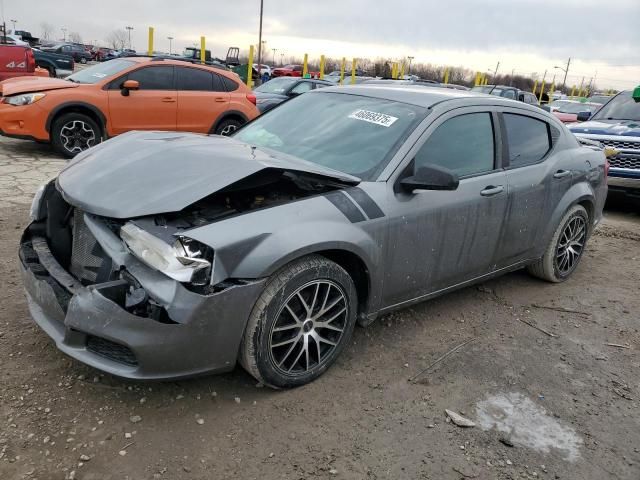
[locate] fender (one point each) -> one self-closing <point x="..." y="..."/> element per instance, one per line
<point x="88" y="106"/>
<point x="225" y="115"/>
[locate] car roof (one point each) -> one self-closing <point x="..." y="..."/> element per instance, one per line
<point x="423" y="96"/>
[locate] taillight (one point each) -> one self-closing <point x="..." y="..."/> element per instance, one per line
<point x="251" y="97"/>
<point x="31" y="61"/>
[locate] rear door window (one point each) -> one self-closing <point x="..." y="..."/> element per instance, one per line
<point x="154" y="78"/>
<point x="193" y="79"/>
<point x="462" y="144"/>
<point x="301" y="88"/>
<point x="229" y="84"/>
<point x="528" y="139"/>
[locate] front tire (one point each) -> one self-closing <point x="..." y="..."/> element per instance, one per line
<point x="565" y="249"/>
<point x="83" y="60"/>
<point x="300" y="324"/>
<point x="72" y="133"/>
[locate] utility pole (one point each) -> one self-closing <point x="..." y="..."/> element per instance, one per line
<point x="495" y="74"/>
<point x="260" y="40"/>
<point x="511" y="78"/>
<point x="274" y="50"/>
<point x="129" y="30"/>
<point x="281" y="58"/>
<point x="170" y="40"/>
<point x="564" y="82"/>
<point x="410" y="59"/>
<point x="14" y="25"/>
<point x="64" y="34"/>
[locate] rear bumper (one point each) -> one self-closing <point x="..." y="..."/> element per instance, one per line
<point x="92" y="325"/>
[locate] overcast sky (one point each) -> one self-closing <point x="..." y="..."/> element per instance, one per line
<point x="602" y="38"/>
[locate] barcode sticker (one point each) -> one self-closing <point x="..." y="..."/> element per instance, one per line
<point x="381" y="119"/>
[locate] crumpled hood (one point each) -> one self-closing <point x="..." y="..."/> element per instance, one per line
<point x="147" y="173"/>
<point x="13" y="86"/>
<point x="629" y="128"/>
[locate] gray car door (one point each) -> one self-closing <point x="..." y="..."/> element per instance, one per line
<point x="535" y="180"/>
<point x="438" y="239"/>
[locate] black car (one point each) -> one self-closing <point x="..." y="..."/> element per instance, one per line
<point x="281" y="89"/>
<point x="58" y="65"/>
<point x="79" y="53"/>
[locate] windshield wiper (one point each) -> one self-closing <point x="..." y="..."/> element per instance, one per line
<point x="629" y="119"/>
<point x="72" y="80"/>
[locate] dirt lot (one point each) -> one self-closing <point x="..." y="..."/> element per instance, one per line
<point x="565" y="406"/>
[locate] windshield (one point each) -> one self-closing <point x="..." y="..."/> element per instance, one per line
<point x="349" y="133"/>
<point x="277" y="85"/>
<point x="100" y="72"/>
<point x="620" y="107"/>
<point x="558" y="104"/>
<point x="482" y="89"/>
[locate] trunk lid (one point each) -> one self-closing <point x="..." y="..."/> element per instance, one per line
<point x="147" y="173"/>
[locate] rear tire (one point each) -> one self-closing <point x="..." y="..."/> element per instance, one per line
<point x="83" y="60"/>
<point x="300" y="324"/>
<point x="72" y="133"/>
<point x="564" y="251"/>
<point x="228" y="126"/>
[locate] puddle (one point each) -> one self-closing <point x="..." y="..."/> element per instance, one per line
<point x="527" y="424"/>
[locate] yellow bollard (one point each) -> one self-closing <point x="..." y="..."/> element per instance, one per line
<point x="573" y="90"/>
<point x="535" y="87"/>
<point x="203" y="57"/>
<point x="250" y="68"/>
<point x="321" y="67"/>
<point x="150" y="49"/>
<point x="354" y="64"/>
<point x="446" y="75"/>
<point x="394" y="70"/>
<point x="486" y="79"/>
<point x="541" y="92"/>
<point x="553" y="89"/>
<point x="402" y="71"/>
<point x="342" y="67"/>
<point x="477" y="82"/>
<point x="305" y="66"/>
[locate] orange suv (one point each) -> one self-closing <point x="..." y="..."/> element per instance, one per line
<point x="133" y="93"/>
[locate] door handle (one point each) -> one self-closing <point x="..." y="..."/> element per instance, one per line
<point x="491" y="190"/>
<point x="561" y="174"/>
<point x="220" y="99"/>
<point x="168" y="99"/>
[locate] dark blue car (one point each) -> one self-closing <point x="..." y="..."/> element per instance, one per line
<point x="274" y="92"/>
<point x="617" y="125"/>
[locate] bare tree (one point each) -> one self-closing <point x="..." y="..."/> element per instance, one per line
<point x="74" y="37"/>
<point x="117" y="39"/>
<point x="47" y="30"/>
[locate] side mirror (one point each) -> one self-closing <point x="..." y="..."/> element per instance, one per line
<point x="636" y="94"/>
<point x="430" y="178"/>
<point x="129" y="85"/>
<point x="584" y="116"/>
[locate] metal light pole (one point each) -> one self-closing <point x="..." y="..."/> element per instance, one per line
<point x="129" y="31"/>
<point x="14" y="25"/>
<point x="170" y="40"/>
<point x="260" y="39"/>
<point x="565" y="70"/>
<point x="64" y="34"/>
<point x="274" y="50"/>
<point x="281" y="58"/>
<point x="409" y="68"/>
<point x="495" y="74"/>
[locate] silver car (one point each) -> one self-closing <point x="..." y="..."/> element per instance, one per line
<point x="163" y="255"/>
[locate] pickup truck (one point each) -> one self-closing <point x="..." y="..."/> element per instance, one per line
<point x="617" y="125"/>
<point x="56" y="64"/>
<point x="16" y="61"/>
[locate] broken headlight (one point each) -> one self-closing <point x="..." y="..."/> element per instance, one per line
<point x="187" y="260"/>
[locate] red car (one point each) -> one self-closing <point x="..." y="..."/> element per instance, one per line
<point x="290" y="71"/>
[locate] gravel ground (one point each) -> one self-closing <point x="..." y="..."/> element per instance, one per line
<point x="556" y="405"/>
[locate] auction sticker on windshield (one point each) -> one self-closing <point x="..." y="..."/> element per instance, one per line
<point x="381" y="119"/>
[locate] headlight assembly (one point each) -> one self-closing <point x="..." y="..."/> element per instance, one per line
<point x="184" y="261"/>
<point x="24" y="99"/>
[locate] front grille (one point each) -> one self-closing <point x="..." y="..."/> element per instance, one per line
<point x="89" y="264"/>
<point x="621" y="144"/>
<point x="111" y="350"/>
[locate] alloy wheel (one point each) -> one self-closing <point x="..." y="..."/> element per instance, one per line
<point x="228" y="130"/>
<point x="77" y="136"/>
<point x="571" y="245"/>
<point x="309" y="327"/>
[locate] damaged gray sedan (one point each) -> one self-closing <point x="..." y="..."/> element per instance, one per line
<point x="165" y="255"/>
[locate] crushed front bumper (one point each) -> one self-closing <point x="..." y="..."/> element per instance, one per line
<point x="91" y="324"/>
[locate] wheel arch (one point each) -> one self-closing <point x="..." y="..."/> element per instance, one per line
<point x="579" y="194"/>
<point x="79" y="107"/>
